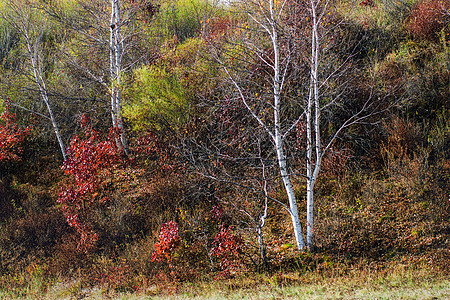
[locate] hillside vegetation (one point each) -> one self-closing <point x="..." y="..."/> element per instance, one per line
<point x="157" y="172"/>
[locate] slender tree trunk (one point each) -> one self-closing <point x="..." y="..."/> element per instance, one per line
<point x="32" y="51"/>
<point x="115" y="57"/>
<point x="21" y="19"/>
<point x="310" y="213"/>
<point x="281" y="157"/>
<point x="262" y="247"/>
<point x="54" y="124"/>
<point x="262" y="219"/>
<point x="314" y="158"/>
<point x="309" y="169"/>
<point x="292" y="199"/>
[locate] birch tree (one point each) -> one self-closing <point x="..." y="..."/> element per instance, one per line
<point x="281" y="79"/>
<point x="116" y="48"/>
<point x="31" y="25"/>
<point x="103" y="41"/>
<point x="329" y="70"/>
<point x="264" y="21"/>
<point x="243" y="141"/>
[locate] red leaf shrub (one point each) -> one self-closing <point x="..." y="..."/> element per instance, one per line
<point x="368" y="3"/>
<point x="89" y="160"/>
<point x="10" y="136"/>
<point x="227" y="247"/>
<point x="428" y="18"/>
<point x="169" y="240"/>
<point x="217" y="212"/>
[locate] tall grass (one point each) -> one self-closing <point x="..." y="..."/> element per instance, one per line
<point x="361" y="282"/>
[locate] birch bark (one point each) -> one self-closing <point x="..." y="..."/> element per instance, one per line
<point x="313" y="128"/>
<point x="32" y="34"/>
<point x="37" y="71"/>
<point x="281" y="157"/>
<point x="115" y="57"/>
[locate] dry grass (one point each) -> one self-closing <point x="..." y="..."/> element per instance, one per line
<point x="362" y="281"/>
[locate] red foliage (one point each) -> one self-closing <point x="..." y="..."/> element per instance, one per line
<point x="217" y="212"/>
<point x="10" y="137"/>
<point x="217" y="27"/>
<point x="227" y="247"/>
<point x="169" y="240"/>
<point x="88" y="161"/>
<point x="156" y="148"/>
<point x="147" y="144"/>
<point x="368" y="3"/>
<point x="428" y="18"/>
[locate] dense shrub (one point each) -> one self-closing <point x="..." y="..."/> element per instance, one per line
<point x="32" y="237"/>
<point x="168" y="241"/>
<point x="227" y="247"/>
<point x="180" y="18"/>
<point x="89" y="161"/>
<point x="11" y="136"/>
<point x="428" y="18"/>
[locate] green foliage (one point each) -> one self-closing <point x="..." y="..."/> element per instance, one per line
<point x="439" y="136"/>
<point x="180" y="18"/>
<point x="389" y="15"/>
<point x="395" y="12"/>
<point x="162" y="94"/>
<point x="416" y="70"/>
<point x="157" y="97"/>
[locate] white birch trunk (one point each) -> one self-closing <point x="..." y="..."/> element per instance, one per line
<point x="268" y="22"/>
<point x="313" y="128"/>
<point x="309" y="167"/>
<point x="21" y="20"/>
<point x="291" y="197"/>
<point x="37" y="72"/>
<point x="281" y="157"/>
<point x="115" y="58"/>
<point x="262" y="219"/>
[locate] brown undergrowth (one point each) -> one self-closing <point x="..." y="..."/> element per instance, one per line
<point x="366" y="226"/>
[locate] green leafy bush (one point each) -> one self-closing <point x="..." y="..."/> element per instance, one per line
<point x="161" y="94"/>
<point x="157" y="97"/>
